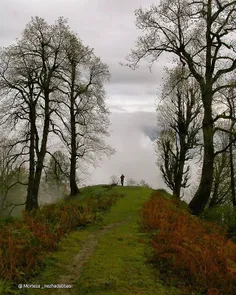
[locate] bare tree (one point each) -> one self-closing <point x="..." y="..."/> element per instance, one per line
<point x="221" y="188"/>
<point x="178" y="118"/>
<point x="27" y="81"/>
<point x="199" y="34"/>
<point x="231" y="103"/>
<point x="144" y="183"/>
<point x="50" y="83"/>
<point x="114" y="179"/>
<point x="131" y="182"/>
<point x="82" y="111"/>
<point x="224" y="156"/>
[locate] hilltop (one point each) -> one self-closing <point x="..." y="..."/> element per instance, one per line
<point x="108" y="257"/>
<point x="109" y="253"/>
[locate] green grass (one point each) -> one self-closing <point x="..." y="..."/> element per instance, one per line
<point x="119" y="263"/>
<point x="95" y="190"/>
<point x="56" y="263"/>
<point x="165" y="194"/>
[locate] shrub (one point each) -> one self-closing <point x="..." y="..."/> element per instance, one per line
<point x="196" y="252"/>
<point x="224" y="216"/>
<point x="19" y="251"/>
<point x="114" y="179"/>
<point x="144" y="183"/>
<point x="23" y="243"/>
<point x="8" y="220"/>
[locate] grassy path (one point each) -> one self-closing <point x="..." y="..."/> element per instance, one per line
<point x="107" y="258"/>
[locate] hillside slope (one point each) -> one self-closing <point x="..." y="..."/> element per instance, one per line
<point x="108" y="257"/>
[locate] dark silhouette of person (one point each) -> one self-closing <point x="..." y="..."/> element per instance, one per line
<point x="122" y="179"/>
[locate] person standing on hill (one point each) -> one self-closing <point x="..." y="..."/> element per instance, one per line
<point x="122" y="179"/>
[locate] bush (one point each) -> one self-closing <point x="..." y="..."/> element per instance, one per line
<point x="224" y="216"/>
<point x="7" y="220"/>
<point x="114" y="179"/>
<point x="194" y="251"/>
<point x="24" y="242"/>
<point x="144" y="183"/>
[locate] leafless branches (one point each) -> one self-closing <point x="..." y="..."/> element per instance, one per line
<point x="50" y="83"/>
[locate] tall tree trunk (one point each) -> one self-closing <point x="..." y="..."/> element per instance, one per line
<point x="177" y="188"/>
<point x="31" y="201"/>
<point x="201" y="197"/>
<point x="35" y="178"/>
<point x="73" y="185"/>
<point x="230" y="99"/>
<point x="213" y="201"/>
<point x="232" y="176"/>
<point x="180" y="170"/>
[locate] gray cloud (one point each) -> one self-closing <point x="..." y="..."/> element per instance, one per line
<point x="108" y="27"/>
<point x="124" y="75"/>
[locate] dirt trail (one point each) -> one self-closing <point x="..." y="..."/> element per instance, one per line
<point x="87" y="249"/>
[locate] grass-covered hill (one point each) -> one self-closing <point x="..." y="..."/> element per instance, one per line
<point x="116" y="240"/>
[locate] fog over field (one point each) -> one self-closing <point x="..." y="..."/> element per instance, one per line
<point x="132" y="136"/>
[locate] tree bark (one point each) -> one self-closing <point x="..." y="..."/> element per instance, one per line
<point x="201" y="197"/>
<point x="180" y="170"/>
<point x="36" y="172"/>
<point x="31" y="199"/>
<point x="231" y="159"/>
<point x="73" y="185"/>
<point x="232" y="181"/>
<point x="213" y="201"/>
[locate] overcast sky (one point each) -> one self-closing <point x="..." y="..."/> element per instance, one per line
<point x="108" y="26"/>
